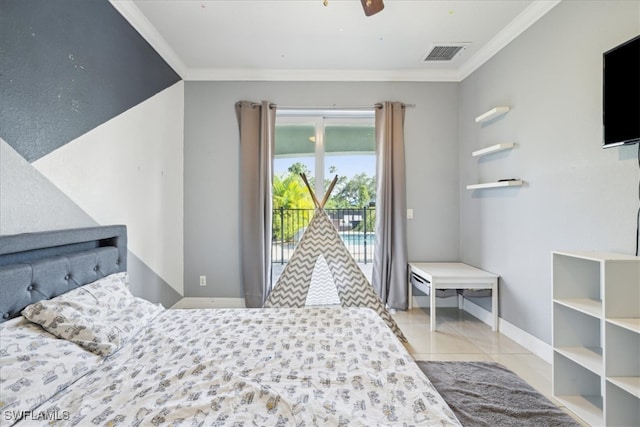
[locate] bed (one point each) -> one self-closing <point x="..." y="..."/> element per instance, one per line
<point x="77" y="348"/>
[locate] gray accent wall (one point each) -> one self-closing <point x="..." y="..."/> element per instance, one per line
<point x="577" y="195"/>
<point x="68" y="66"/>
<point x="29" y="202"/>
<point x="211" y="156"/>
<point x="145" y="283"/>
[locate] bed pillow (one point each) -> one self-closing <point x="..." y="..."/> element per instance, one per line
<point x="34" y="365"/>
<point x="100" y="317"/>
<point x="112" y="291"/>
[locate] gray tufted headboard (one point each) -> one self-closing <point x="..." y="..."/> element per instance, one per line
<point x="43" y="265"/>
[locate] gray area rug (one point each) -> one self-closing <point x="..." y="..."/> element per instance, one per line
<point x="488" y="394"/>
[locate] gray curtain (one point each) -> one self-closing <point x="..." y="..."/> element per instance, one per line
<point x="389" y="277"/>
<point x="257" y="127"/>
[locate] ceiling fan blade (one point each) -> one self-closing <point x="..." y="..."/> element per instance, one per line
<point x="372" y="7"/>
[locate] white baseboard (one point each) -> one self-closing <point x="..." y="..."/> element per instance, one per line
<point x="509" y="330"/>
<point x="195" y="302"/>
<point x="535" y="345"/>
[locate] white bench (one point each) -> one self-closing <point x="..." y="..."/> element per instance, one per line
<point x="453" y="275"/>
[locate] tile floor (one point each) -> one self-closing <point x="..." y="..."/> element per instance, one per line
<point x="462" y="337"/>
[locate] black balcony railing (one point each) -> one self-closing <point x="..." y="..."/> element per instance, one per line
<point x="355" y="226"/>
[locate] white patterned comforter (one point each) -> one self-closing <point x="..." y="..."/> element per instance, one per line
<point x="256" y="367"/>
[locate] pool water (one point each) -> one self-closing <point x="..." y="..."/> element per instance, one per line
<point x="357" y="238"/>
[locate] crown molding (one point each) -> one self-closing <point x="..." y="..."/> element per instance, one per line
<point x="536" y="10"/>
<point x="141" y="24"/>
<point x="200" y="74"/>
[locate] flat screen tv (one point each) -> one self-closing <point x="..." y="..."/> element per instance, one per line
<point x="621" y="94"/>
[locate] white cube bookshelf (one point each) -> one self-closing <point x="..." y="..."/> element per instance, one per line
<point x="596" y="336"/>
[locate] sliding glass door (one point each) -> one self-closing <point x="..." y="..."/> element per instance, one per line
<point x="323" y="144"/>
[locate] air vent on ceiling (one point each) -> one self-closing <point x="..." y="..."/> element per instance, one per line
<point x="444" y="51"/>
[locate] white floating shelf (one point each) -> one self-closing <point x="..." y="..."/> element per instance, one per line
<point x="514" y="183"/>
<point x="493" y="149"/>
<point x="492" y="114"/>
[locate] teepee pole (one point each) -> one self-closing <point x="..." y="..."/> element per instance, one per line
<point x="328" y="193"/>
<point x="313" y="195"/>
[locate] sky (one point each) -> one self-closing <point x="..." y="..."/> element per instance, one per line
<point x="347" y="165"/>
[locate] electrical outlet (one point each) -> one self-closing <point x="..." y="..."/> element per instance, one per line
<point x="203" y="280"/>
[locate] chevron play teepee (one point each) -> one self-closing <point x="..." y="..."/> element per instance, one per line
<point x="321" y="271"/>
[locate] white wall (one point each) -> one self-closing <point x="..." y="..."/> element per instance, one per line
<point x="129" y="170"/>
<point x="212" y="168"/>
<point x="577" y="195"/>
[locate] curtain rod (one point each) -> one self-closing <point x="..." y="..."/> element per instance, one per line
<point x="335" y="107"/>
<point x="325" y="107"/>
